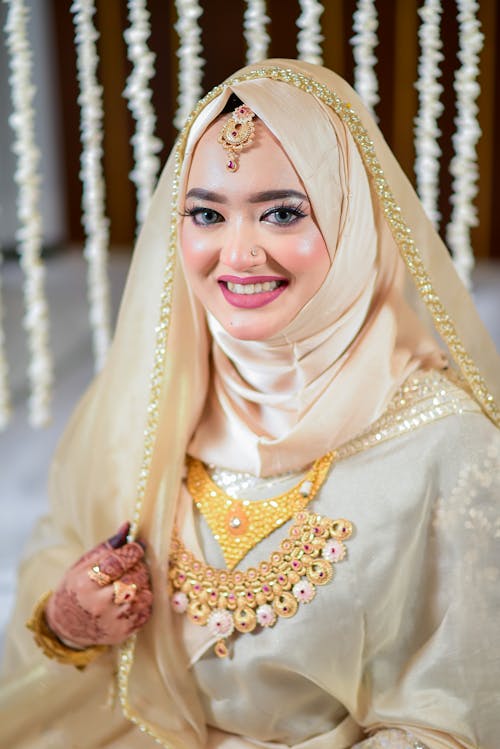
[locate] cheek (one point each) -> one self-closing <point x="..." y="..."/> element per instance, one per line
<point x="309" y="255"/>
<point x="195" y="249"/>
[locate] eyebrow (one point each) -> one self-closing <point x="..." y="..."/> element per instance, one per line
<point x="258" y="197"/>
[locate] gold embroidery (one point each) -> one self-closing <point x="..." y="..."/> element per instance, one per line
<point x="226" y="600"/>
<point x="239" y="525"/>
<point x="424" y="397"/>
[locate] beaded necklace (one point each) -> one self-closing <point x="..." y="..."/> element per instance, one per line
<point x="239" y="524"/>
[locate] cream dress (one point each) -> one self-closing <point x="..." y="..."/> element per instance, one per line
<point x="404" y="636"/>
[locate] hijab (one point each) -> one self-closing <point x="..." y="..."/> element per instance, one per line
<point x="276" y="405"/>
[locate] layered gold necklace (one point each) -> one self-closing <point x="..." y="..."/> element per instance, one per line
<point x="228" y="600"/>
<point x="240" y="524"/>
<point x="240" y="601"/>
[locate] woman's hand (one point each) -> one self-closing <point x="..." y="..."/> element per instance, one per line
<point x="104" y="597"/>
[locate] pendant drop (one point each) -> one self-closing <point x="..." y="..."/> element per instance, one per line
<point x="221" y="649"/>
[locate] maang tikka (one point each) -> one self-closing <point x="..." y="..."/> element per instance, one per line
<point x="236" y="134"/>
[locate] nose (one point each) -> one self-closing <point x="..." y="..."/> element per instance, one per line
<point x="240" y="251"/>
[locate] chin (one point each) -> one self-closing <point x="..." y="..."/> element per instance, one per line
<point x="247" y="331"/>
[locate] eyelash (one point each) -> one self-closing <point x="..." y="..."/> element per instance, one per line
<point x="295" y="210"/>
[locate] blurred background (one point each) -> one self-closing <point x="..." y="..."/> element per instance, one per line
<point x="25" y="453"/>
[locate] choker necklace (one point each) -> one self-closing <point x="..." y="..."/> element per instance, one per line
<point x="227" y="601"/>
<point x="240" y="524"/>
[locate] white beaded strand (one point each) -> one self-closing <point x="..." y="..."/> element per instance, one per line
<point x="463" y="166"/>
<point x="29" y="234"/>
<point x="94" y="220"/>
<point x="190" y="60"/>
<point x="364" y="41"/>
<point x="309" y="37"/>
<point x="254" y="30"/>
<point x="429" y="90"/>
<point x="139" y="94"/>
<point x="5" y="408"/>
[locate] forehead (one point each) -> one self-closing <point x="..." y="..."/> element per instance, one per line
<point x="263" y="163"/>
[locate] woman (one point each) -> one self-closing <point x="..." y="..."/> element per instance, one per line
<point x="286" y="352"/>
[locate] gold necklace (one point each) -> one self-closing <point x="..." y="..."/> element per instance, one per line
<point x="240" y="524"/>
<point x="226" y="601"/>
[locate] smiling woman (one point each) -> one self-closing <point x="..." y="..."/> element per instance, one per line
<point x="248" y="242"/>
<point x="299" y="416"/>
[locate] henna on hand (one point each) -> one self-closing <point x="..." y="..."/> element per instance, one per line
<point x="137" y="575"/>
<point x="139" y="612"/>
<point x="119" y="561"/>
<point x="71" y="621"/>
<point x="82" y="613"/>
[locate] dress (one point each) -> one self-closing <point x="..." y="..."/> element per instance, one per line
<point x="403" y="637"/>
<point x="389" y="653"/>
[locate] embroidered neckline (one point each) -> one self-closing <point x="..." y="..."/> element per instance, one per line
<point x="241" y="600"/>
<point x="240" y="524"/>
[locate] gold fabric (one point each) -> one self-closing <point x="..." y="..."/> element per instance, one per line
<point x="413" y="641"/>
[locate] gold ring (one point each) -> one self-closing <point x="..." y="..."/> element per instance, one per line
<point x="98" y="576"/>
<point x="124" y="592"/>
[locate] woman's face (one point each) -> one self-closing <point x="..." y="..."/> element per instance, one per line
<point x="253" y="253"/>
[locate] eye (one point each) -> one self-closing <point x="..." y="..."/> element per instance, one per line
<point x="284" y="215"/>
<point x="203" y="216"/>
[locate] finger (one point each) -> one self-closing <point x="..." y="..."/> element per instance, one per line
<point x="123" y="593"/>
<point x="142" y="608"/>
<point x="120" y="538"/>
<point x="137" y="575"/>
<point x="119" y="561"/>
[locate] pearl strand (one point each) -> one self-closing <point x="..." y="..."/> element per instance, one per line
<point x="29" y="234"/>
<point x="463" y="166"/>
<point x="429" y="90"/>
<point x="190" y="60"/>
<point x="93" y="198"/>
<point x="139" y="94"/>
<point x="254" y="30"/>
<point x="364" y="41"/>
<point x="5" y="410"/>
<point x="310" y="37"/>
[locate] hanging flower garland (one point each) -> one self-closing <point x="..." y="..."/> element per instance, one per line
<point x="29" y="235"/>
<point x="254" y="30"/>
<point x="429" y="90"/>
<point x="190" y="60"/>
<point x="4" y="386"/>
<point x="93" y="189"/>
<point x="364" y="41"/>
<point x="464" y="167"/>
<point x="139" y="94"/>
<point x="310" y="37"/>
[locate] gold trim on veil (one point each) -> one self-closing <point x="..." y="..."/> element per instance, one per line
<point x="446" y="301"/>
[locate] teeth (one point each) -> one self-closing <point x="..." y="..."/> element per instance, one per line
<point x="252" y="288"/>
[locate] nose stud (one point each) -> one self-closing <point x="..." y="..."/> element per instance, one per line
<point x="253" y="252"/>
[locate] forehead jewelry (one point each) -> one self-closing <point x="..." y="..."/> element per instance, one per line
<point x="237" y="133"/>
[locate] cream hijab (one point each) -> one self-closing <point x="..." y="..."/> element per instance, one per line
<point x="276" y="405"/>
<point x="123" y="452"/>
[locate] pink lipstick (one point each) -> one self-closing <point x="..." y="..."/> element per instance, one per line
<point x="251" y="292"/>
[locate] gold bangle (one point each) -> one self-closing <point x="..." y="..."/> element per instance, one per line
<point x="52" y="646"/>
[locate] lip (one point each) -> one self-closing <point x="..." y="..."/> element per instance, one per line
<point x="250" y="301"/>
<point x="250" y="279"/>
